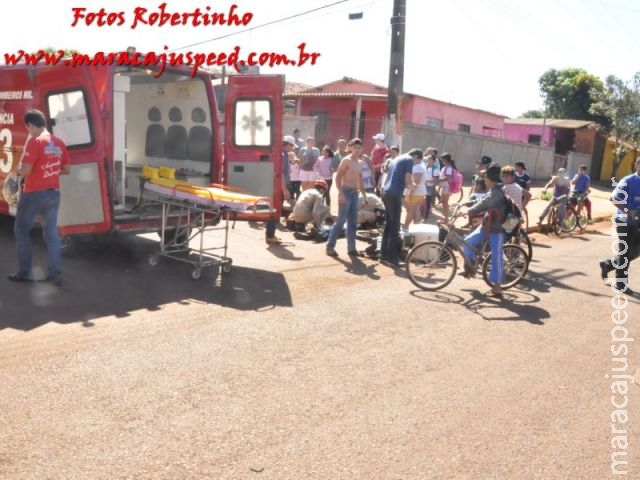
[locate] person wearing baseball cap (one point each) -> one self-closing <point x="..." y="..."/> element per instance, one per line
<point x="477" y="182"/>
<point x="492" y="205"/>
<point x="378" y="154"/>
<point x="311" y="207"/>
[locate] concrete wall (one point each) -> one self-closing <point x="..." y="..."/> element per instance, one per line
<point x="466" y="149"/>
<point x="574" y="160"/>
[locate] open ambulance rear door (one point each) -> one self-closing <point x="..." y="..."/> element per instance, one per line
<point x="71" y="102"/>
<point x="67" y="96"/>
<point x="253" y="138"/>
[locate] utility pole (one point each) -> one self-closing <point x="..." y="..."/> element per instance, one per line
<point x="396" y="74"/>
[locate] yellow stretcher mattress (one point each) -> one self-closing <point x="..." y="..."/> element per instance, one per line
<point x="212" y="196"/>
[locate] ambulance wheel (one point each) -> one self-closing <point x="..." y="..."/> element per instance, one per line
<point x="153" y="260"/>
<point x="68" y="246"/>
<point x="196" y="274"/>
<point x="226" y="267"/>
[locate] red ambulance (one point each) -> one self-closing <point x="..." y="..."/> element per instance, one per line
<point x="117" y="119"/>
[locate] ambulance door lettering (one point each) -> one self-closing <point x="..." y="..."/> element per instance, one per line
<point x="6" y="159"/>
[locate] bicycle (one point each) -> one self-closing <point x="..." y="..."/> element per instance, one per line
<point x="569" y="222"/>
<point x="582" y="220"/>
<point x="431" y="265"/>
<point x="521" y="238"/>
<point x="518" y="237"/>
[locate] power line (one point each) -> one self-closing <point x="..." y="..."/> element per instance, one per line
<point x="521" y="21"/>
<point x="619" y="25"/>
<point x="618" y="7"/>
<point x="273" y="22"/>
<point x="475" y="25"/>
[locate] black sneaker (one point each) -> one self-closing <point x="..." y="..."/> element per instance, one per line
<point x="604" y="271"/>
<point x="18" y="277"/>
<point x="623" y="288"/>
<point x="393" y="263"/>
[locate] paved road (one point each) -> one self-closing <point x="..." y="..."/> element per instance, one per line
<point x="297" y="365"/>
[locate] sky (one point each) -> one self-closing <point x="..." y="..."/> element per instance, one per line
<point x="484" y="54"/>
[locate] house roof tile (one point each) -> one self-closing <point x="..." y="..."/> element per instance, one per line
<point x="293" y="88"/>
<point x="317" y="92"/>
<point x="550" y="122"/>
<point x="309" y="94"/>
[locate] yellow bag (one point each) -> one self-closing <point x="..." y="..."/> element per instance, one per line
<point x="150" y="172"/>
<point x="167" y="172"/>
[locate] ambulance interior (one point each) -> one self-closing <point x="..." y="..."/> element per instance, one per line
<point x="159" y="122"/>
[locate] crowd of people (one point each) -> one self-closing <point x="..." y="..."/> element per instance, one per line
<point x="367" y="184"/>
<point x="407" y="186"/>
<point x="408" y="182"/>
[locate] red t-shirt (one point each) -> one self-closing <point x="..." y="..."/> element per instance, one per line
<point x="46" y="154"/>
<point x="377" y="156"/>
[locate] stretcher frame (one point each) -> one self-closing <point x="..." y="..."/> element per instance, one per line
<point x="190" y="220"/>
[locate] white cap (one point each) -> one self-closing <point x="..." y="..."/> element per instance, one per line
<point x="289" y="139"/>
<point x="379" y="136"/>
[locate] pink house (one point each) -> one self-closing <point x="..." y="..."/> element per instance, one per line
<point x="561" y="135"/>
<point x="350" y="107"/>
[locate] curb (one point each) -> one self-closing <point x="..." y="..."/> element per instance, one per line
<point x="536" y="228"/>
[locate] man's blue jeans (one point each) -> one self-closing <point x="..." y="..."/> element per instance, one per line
<point x="45" y="203"/>
<point x="496" y="241"/>
<point x="346" y="212"/>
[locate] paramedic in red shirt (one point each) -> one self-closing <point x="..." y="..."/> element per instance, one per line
<point x="45" y="158"/>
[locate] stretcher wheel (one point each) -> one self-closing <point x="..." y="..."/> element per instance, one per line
<point x="196" y="274"/>
<point x="153" y="260"/>
<point x="226" y="267"/>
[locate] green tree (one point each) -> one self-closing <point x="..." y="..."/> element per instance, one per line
<point x="568" y="93"/>
<point x="620" y="102"/>
<point x="67" y="52"/>
<point x="533" y="114"/>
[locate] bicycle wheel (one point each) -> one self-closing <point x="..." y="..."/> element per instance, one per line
<point x="570" y="221"/>
<point x="431" y="265"/>
<point x="583" y="221"/>
<point x="515" y="267"/>
<point x="522" y="239"/>
<point x="552" y="222"/>
<point x="461" y="195"/>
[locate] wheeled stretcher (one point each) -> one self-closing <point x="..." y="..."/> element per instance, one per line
<point x="188" y="212"/>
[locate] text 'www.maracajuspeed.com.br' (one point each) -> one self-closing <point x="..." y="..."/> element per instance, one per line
<point x="160" y="61"/>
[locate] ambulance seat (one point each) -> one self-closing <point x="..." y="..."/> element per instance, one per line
<point x="154" y="139"/>
<point x="199" y="137"/>
<point x="175" y="146"/>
